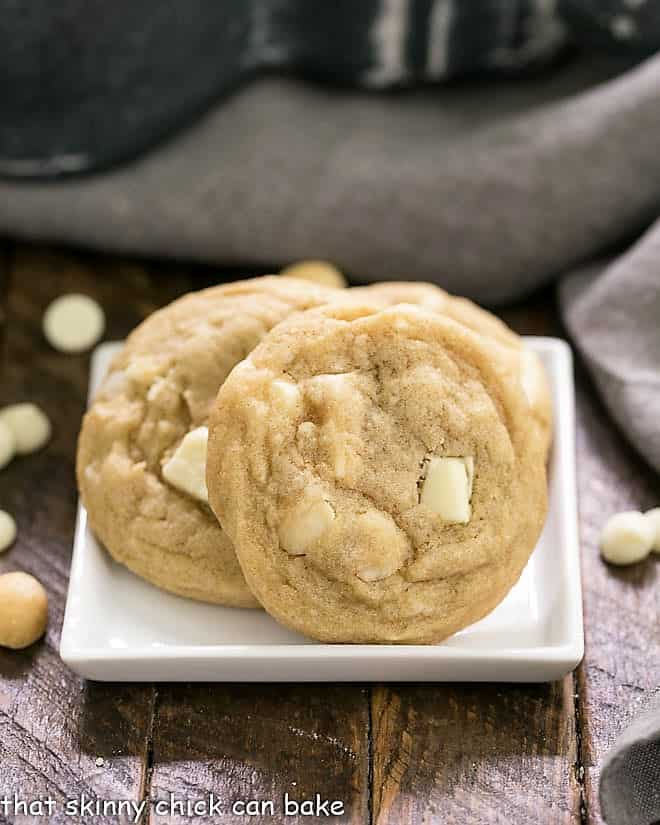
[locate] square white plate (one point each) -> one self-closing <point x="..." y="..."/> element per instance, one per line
<point x="119" y="628"/>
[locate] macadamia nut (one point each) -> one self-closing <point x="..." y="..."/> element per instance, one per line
<point x="319" y="272"/>
<point x="627" y="538"/>
<point x="7" y="531"/>
<point x="73" y="323"/>
<point x="23" y="610"/>
<point x="29" y="426"/>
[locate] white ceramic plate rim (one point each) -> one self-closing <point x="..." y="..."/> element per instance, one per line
<point x="356" y="662"/>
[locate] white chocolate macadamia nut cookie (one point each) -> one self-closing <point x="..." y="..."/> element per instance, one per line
<point x="141" y="451"/>
<point x="381" y="480"/>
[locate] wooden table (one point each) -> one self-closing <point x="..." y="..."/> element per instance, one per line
<point x="395" y="754"/>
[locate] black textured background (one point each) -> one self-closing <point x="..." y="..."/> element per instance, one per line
<point x="87" y="83"/>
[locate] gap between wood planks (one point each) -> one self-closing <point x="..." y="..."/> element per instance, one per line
<point x="370" y="756"/>
<point x="148" y="763"/>
<point x="579" y="754"/>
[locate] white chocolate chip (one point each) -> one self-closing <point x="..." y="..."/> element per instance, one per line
<point x="29" y="425"/>
<point x="319" y="272"/>
<point x="186" y="469"/>
<point x="73" y="323"/>
<point x="23" y="610"/>
<point x="447" y="488"/>
<point x="653" y="516"/>
<point x="7" y="445"/>
<point x="286" y="395"/>
<point x="372" y="574"/>
<point x="304" y="525"/>
<point x="7" y="531"/>
<point x="627" y="538"/>
<point x="143" y="371"/>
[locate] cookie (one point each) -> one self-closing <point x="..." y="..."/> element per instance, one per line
<point x="147" y="421"/>
<point x="379" y="477"/>
<point x="509" y="352"/>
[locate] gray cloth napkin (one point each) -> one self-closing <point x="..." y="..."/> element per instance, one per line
<point x="490" y="190"/>
<point x="630" y="776"/>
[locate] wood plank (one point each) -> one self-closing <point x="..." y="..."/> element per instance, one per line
<point x="475" y="754"/>
<point x="258" y="742"/>
<point x="479" y="753"/>
<point x="54" y="726"/>
<point x="439" y="753"/>
<point x="621" y="669"/>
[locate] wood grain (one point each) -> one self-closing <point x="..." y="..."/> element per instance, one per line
<point x="54" y="727"/>
<point x="475" y="754"/>
<point x="621" y="668"/>
<point x="258" y="742"/>
<point x="399" y="754"/>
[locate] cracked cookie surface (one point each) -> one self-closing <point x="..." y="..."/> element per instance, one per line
<point x="517" y="362"/>
<point x="379" y="476"/>
<point x="158" y="390"/>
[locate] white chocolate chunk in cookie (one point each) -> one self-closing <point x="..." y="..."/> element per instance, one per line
<point x="447" y="488"/>
<point x="286" y="394"/>
<point x="186" y="469"/>
<point x="627" y="538"/>
<point x="318" y="272"/>
<point x="304" y="525"/>
<point x="143" y="371"/>
<point x="7" y="445"/>
<point x="29" y="425"/>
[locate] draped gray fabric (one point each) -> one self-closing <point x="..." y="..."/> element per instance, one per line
<point x="489" y="189"/>
<point x="630" y="776"/>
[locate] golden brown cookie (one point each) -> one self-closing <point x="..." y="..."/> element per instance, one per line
<point x="379" y="477"/>
<point x="141" y="437"/>
<point x="508" y="352"/>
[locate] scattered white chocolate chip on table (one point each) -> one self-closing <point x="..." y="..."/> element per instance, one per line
<point x="186" y="469"/>
<point x="447" y="488"/>
<point x="7" y="444"/>
<point x="73" y="323"/>
<point x="7" y="531"/>
<point x="23" y="610"/>
<point x="627" y="538"/>
<point x="29" y="425"/>
<point x="319" y="272"/>
<point x="653" y="516"/>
